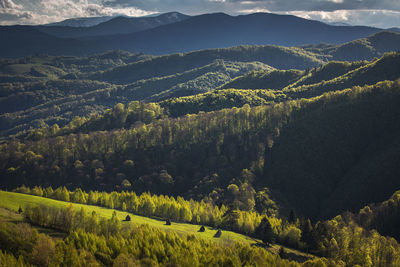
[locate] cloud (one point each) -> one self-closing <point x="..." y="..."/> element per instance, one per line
<point x="45" y="11"/>
<point x="370" y="17"/>
<point x="6" y="4"/>
<point x="380" y="13"/>
<point x="273" y="5"/>
<point x="10" y="13"/>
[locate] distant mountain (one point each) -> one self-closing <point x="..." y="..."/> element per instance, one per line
<point x="221" y="30"/>
<point x="114" y="25"/>
<point x="188" y="34"/>
<point x="81" y="22"/>
<point x="336" y="23"/>
<point x="394" y="29"/>
<point x="19" y="41"/>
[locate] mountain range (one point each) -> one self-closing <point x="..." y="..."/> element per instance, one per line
<point x="114" y="26"/>
<point x="175" y="32"/>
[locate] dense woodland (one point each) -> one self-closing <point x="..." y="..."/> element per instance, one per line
<point x="285" y="145"/>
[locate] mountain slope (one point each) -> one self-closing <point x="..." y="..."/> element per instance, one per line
<point x="276" y="79"/>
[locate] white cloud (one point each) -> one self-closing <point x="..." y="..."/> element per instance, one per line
<point x="254" y="10"/>
<point x="56" y="10"/>
<point x="337" y="1"/>
<point x="369" y="17"/>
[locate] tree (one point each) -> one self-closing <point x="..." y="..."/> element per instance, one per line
<point x="282" y="252"/>
<point x="43" y="251"/>
<point x="78" y="196"/>
<point x="125" y="260"/>
<point x="126" y="184"/>
<point x="306" y="235"/>
<point x="265" y="233"/>
<point x="292" y="216"/>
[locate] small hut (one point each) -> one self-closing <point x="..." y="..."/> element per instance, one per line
<point x="202" y="229"/>
<point x="168" y="222"/>
<point x="218" y="233"/>
<point x="128" y="218"/>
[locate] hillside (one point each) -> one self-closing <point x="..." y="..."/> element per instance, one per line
<point x="244" y="146"/>
<point x="276" y="79"/>
<point x="331" y="76"/>
<point x="344" y="156"/>
<point x="13" y="201"/>
<point x="58" y="99"/>
<point x="96" y="236"/>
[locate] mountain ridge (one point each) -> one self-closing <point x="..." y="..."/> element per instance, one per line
<point x="114" y="26"/>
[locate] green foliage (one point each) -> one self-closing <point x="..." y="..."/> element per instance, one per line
<point x="382" y="217"/>
<point x="220" y="99"/>
<point x="275" y="79"/>
<point x="343" y="240"/>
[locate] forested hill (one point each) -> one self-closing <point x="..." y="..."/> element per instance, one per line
<point x="275" y="56"/>
<point x="361" y="49"/>
<point x="204" y="154"/>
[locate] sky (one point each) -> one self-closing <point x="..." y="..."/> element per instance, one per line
<point x="378" y="13"/>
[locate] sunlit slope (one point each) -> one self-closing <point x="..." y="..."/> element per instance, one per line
<point x="13" y="201"/>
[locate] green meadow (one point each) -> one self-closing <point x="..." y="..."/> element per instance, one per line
<point x="13" y="201"/>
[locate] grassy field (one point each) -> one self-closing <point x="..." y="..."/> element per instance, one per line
<point x="13" y="201"/>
